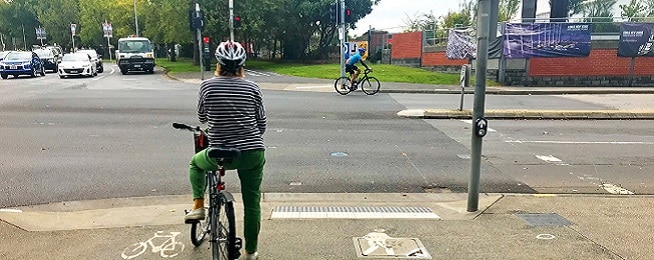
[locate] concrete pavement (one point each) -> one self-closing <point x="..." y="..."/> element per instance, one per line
<point x="367" y="226"/>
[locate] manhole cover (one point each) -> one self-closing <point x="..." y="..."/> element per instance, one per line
<point x="380" y="245"/>
<point x="544" y="219"/>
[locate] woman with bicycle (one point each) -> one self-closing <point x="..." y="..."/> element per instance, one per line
<point x="232" y="107"/>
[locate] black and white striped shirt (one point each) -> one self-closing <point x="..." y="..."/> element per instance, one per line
<point x="233" y="109"/>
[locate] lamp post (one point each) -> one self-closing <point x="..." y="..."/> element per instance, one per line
<point x="136" y="19"/>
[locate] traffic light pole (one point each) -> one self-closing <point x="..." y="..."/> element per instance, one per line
<point x="342" y="35"/>
<point x="199" y="36"/>
<point x="231" y="20"/>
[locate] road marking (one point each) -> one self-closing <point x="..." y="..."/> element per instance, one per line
<point x="470" y="122"/>
<point x="614" y="189"/>
<point x="112" y="72"/>
<point x="168" y="249"/>
<point x="11" y="210"/>
<point x="257" y="73"/>
<point x="551" y="159"/>
<point x="578" y="142"/>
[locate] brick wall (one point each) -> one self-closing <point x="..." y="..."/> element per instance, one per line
<point x="601" y="62"/>
<point x="438" y="58"/>
<point x="407" y="46"/>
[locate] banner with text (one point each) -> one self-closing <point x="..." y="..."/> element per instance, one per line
<point x="636" y="39"/>
<point x="546" y="40"/>
<point x="107" y="29"/>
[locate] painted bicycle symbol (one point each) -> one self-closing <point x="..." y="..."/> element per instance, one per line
<point x="168" y="248"/>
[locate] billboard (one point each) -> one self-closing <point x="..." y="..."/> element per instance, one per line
<point x="40" y="33"/>
<point x="546" y="40"/>
<point x="636" y="39"/>
<point x="107" y="29"/>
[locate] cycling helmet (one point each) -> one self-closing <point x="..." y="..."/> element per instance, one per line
<point x="231" y="55"/>
<point x="362" y="50"/>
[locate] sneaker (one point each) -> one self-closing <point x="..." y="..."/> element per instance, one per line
<point x="253" y="256"/>
<point x="194" y="215"/>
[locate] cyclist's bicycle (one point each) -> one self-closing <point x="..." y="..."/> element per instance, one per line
<point x="369" y="85"/>
<point x="220" y="223"/>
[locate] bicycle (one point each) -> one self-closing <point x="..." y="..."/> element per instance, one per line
<point x="220" y="222"/>
<point x="369" y="85"/>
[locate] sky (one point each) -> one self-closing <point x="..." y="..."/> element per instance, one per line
<point x="391" y="15"/>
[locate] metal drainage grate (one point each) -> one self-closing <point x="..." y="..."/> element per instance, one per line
<point x="353" y="212"/>
<point x="544" y="219"/>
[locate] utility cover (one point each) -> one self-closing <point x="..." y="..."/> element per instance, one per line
<point x="381" y="245"/>
<point x="544" y="219"/>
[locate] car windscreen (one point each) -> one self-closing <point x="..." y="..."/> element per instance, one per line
<point x="45" y="54"/>
<point x="134" y="46"/>
<point x="17" y="56"/>
<point x="75" y="57"/>
<point x="93" y="54"/>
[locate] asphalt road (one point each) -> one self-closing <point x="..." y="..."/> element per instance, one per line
<point x="110" y="137"/>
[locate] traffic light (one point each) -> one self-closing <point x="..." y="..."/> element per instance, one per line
<point x="335" y="13"/>
<point x="237" y="21"/>
<point x="348" y="15"/>
<point x="196" y="20"/>
<point x="205" y="40"/>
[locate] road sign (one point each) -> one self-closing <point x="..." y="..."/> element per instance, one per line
<point x="40" y="33"/>
<point x="107" y="29"/>
<point x="72" y="28"/>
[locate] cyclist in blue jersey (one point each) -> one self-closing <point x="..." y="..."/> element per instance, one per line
<point x="350" y="66"/>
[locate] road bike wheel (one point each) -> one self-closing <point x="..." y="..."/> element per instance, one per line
<point x="199" y="232"/>
<point x="342" y="85"/>
<point x="370" y="86"/>
<point x="223" y="230"/>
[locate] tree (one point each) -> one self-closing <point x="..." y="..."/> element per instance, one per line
<point x="600" y="13"/>
<point x="422" y="22"/>
<point x="507" y="9"/>
<point x="574" y="6"/>
<point x="635" y="8"/>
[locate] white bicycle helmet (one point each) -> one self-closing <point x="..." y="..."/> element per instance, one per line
<point x="230" y="55"/>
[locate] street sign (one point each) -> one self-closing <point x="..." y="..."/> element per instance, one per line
<point x="107" y="29"/>
<point x="40" y="33"/>
<point x="72" y="28"/>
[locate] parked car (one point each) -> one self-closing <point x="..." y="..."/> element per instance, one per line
<point x="95" y="58"/>
<point x="21" y="63"/>
<point x="77" y="64"/>
<point x="49" y="58"/>
<point x="3" y="54"/>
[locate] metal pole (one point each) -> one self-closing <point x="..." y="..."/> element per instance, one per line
<point x="199" y="35"/>
<point x="231" y="20"/>
<point x="109" y="47"/>
<point x="342" y="34"/>
<point x="136" y="19"/>
<point x="24" y="40"/>
<point x="483" y="30"/>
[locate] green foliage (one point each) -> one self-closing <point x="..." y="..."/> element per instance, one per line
<point x="508" y="9"/>
<point x="635" y="8"/>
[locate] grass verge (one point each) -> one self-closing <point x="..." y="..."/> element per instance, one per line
<point x="383" y="72"/>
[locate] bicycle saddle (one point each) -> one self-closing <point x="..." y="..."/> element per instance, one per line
<point x="223" y="153"/>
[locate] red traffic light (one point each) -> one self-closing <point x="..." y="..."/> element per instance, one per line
<point x="237" y="18"/>
<point x="348" y="12"/>
<point x="205" y="40"/>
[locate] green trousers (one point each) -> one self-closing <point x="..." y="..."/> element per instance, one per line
<point x="249" y="166"/>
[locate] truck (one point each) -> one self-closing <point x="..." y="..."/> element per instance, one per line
<point x="135" y="54"/>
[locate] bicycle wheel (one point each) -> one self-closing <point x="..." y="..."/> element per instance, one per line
<point x="342" y="85"/>
<point x="199" y="230"/>
<point x="370" y="86"/>
<point x="223" y="231"/>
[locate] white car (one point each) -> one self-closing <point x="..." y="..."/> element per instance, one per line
<point x="77" y="64"/>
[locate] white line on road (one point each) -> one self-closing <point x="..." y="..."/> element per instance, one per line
<point x="112" y="72"/>
<point x="470" y="122"/>
<point x="551" y="159"/>
<point x="578" y="142"/>
<point x="11" y="210"/>
<point x="613" y="189"/>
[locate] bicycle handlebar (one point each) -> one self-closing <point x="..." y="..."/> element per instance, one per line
<point x="187" y="127"/>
